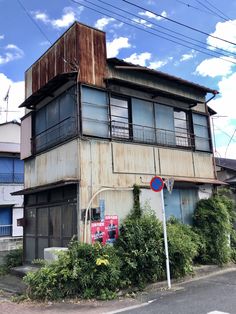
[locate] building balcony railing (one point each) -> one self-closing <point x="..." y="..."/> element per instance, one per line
<point x="180" y="137"/>
<point x="149" y="135"/>
<point x="11" y="178"/>
<point x="5" y="230"/>
<point x="55" y="134"/>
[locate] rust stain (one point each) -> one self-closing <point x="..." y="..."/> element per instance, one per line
<point x="80" y="46"/>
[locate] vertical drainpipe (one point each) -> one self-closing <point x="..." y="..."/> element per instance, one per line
<point x="78" y="122"/>
<point x="213" y="158"/>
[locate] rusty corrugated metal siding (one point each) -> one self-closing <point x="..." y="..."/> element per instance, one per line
<point x="80" y="45"/>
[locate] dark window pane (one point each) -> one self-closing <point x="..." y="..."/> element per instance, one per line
<point x="40" y="121"/>
<point x="143" y="121"/>
<point x="42" y="244"/>
<point x="55" y="222"/>
<point x="68" y="220"/>
<point x="29" y="249"/>
<point x="67" y="104"/>
<point x="164" y="116"/>
<point x="30" y="216"/>
<point x="42" y="221"/>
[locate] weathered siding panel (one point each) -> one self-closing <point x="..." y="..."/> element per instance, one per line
<point x="175" y="162"/>
<point x="81" y="46"/>
<point x="130" y="158"/>
<point x="58" y="164"/>
<point x="203" y="165"/>
<point x="25" y="137"/>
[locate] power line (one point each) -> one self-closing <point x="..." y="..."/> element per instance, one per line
<point x="168" y="29"/>
<point x="152" y="33"/>
<point x="229" y="142"/>
<point x="71" y="65"/>
<point x="33" y="21"/>
<point x="179" y="23"/>
<point x="227" y="17"/>
<point x="210" y="10"/>
<point x="196" y="8"/>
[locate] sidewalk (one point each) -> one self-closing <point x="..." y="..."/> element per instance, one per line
<point x="11" y="285"/>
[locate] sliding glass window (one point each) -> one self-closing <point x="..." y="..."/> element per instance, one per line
<point x="95" y="112"/>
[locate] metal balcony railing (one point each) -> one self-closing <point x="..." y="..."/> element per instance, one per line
<point x="5" y="230"/>
<point x="11" y="178"/>
<point x="149" y="135"/>
<point x="55" y="134"/>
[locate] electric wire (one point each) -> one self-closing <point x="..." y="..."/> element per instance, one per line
<point x="193" y="7"/>
<point x="229" y="142"/>
<point x="212" y="54"/>
<point x="221" y="12"/>
<point x="210" y="10"/>
<point x="179" y="23"/>
<point x="72" y="66"/>
<point x="168" y="29"/>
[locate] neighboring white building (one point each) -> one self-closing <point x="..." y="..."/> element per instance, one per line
<point x="11" y="180"/>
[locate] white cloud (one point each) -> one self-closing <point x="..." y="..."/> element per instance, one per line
<point x="16" y="97"/>
<point x="225" y="102"/>
<point x="188" y="56"/>
<point x="141" y="21"/>
<point x="225" y="30"/>
<point x="159" y="63"/>
<point x="214" y="67"/>
<point x="114" y="47"/>
<point x="151" y="15"/>
<point x="68" y="17"/>
<point x="140" y="59"/>
<point x="103" y="22"/>
<point x="11" y="52"/>
<point x="2" y="37"/>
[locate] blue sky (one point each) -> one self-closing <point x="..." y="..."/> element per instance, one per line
<point x="21" y="43"/>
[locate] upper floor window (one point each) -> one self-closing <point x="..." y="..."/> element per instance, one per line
<point x="201" y="132"/>
<point x="120" y="126"/>
<point x="11" y="170"/>
<point x="95" y="116"/>
<point x="56" y="121"/>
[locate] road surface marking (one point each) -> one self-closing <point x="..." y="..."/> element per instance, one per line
<point x="133" y="307"/>
<point x="217" y="312"/>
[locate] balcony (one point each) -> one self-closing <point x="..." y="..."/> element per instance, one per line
<point x="17" y="178"/>
<point x="5" y="230"/>
<point x="149" y="135"/>
<point x="55" y="135"/>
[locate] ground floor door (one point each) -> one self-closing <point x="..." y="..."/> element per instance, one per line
<point x="52" y="224"/>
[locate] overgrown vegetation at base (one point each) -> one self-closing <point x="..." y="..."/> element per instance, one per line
<point x="184" y="245"/>
<point x="89" y="271"/>
<point x="213" y="221"/>
<point x="140" y="247"/>
<point x="12" y="259"/>
<point x="138" y="257"/>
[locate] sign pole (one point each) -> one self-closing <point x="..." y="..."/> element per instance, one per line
<point x="165" y="241"/>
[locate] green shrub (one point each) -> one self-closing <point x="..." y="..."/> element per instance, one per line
<point x="140" y="246"/>
<point x="14" y="258"/>
<point x="213" y="223"/>
<point x="85" y="270"/>
<point x="184" y="245"/>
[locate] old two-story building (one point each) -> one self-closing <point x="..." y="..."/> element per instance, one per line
<point x="94" y="127"/>
<point x="11" y="180"/>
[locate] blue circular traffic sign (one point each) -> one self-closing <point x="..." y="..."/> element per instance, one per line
<point x="156" y="184"/>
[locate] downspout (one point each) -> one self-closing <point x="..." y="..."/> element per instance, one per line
<point x="215" y="92"/>
<point x="93" y="197"/>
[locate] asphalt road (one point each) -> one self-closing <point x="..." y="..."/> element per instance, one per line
<point x="212" y="295"/>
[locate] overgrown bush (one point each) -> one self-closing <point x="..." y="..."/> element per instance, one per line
<point x="140" y="246"/>
<point x="213" y="223"/>
<point x="14" y="258"/>
<point x="184" y="245"/>
<point x="89" y="271"/>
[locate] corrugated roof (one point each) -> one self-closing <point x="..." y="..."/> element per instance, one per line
<point x="226" y="163"/>
<point x="131" y="66"/>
